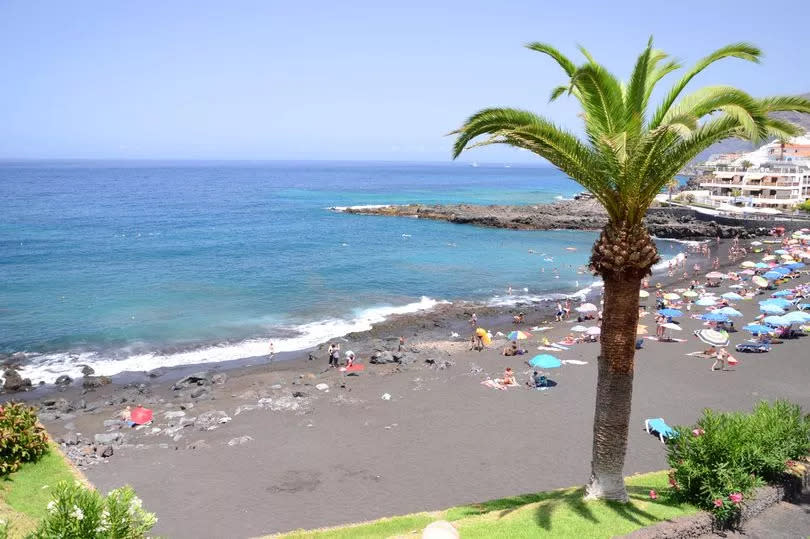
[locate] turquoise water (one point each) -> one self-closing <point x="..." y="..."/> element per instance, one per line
<point x="129" y="266"/>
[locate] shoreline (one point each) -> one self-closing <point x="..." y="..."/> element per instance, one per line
<point x="437" y="322"/>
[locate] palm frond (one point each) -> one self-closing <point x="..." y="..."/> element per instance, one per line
<point x="744" y="51"/>
<point x="568" y="66"/>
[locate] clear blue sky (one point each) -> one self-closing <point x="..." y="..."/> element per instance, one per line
<point x="336" y="80"/>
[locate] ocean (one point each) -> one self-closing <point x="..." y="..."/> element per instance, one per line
<point x="128" y="266"/>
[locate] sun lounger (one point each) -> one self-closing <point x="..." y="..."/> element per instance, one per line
<point x="659" y="426"/>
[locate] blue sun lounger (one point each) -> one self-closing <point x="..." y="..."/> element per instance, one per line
<point x="659" y="426"/>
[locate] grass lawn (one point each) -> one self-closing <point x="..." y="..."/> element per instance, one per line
<point x="557" y="513"/>
<point x="25" y="494"/>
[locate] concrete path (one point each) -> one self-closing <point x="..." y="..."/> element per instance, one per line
<point x="782" y="521"/>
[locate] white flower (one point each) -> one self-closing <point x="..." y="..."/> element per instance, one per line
<point x="52" y="507"/>
<point x="77" y="513"/>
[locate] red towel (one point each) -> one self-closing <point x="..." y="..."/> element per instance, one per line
<point x="141" y="416"/>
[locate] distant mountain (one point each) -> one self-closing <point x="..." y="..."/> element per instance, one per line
<point x="736" y="145"/>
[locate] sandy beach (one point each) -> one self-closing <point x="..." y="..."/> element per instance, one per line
<point x="347" y="454"/>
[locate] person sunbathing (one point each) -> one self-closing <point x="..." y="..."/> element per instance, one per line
<point x="569" y="339"/>
<point x="508" y="378"/>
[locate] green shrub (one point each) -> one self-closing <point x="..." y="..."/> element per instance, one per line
<point x="719" y="461"/>
<point x="805" y="206"/>
<point x="77" y="512"/>
<point x="4" y="529"/>
<point x="22" y="439"/>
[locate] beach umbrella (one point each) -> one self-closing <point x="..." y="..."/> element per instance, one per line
<point x="796" y="265"/>
<point x="643" y="294"/>
<point x="759" y="281"/>
<point x="715" y="275"/>
<point x="670" y="296"/>
<point x="690" y="294"/>
<point x="733" y="296"/>
<point x="748" y="264"/>
<point x="786" y="257"/>
<point x="578" y="329"/>
<point x="797" y="317"/>
<point x="737" y="286"/>
<point x="782" y="303"/>
<point x="670" y="313"/>
<point x="757" y="328"/>
<point x="593" y="330"/>
<point x="587" y="308"/>
<point x="729" y="311"/>
<point x="782" y="293"/>
<point x="776" y="321"/>
<point x="780" y="252"/>
<point x="518" y="335"/>
<point x="761" y="265"/>
<point x="545" y="361"/>
<point x="768" y="257"/>
<point x="140" y="415"/>
<point x="781" y="269"/>
<point x="713" y="337"/>
<point x="772" y="275"/>
<point x="756" y="243"/>
<point x="714" y="316"/>
<point x="705" y="302"/>
<point x="747" y="272"/>
<point x="771" y="309"/>
<point x="670" y="325"/>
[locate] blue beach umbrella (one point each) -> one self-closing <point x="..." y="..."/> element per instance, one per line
<point x="771" y="309"/>
<point x="772" y="275"/>
<point x="705" y="302"/>
<point x="796" y="265"/>
<point x="782" y="303"/>
<point x="670" y="313"/>
<point x="761" y="265"/>
<point x="776" y="321"/>
<point x="782" y="293"/>
<point x="757" y="328"/>
<point x="781" y="252"/>
<point x="781" y="269"/>
<point x="714" y="317"/>
<point x="733" y="296"/>
<point x="729" y="311"/>
<point x="544" y="361"/>
<point x="797" y="317"/>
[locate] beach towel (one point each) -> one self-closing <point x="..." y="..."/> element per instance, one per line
<point x="548" y="348"/>
<point x="573" y="362"/>
<point x="560" y="346"/>
<point x="541" y="328"/>
<point x="354" y="368"/>
<point x="492" y="384"/>
<point x="141" y="415"/>
<point x="731" y="360"/>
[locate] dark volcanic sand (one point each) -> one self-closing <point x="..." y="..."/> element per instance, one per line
<point x="443" y="439"/>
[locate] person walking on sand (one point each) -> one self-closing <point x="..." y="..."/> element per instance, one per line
<point x="401" y="343"/>
<point x="720" y="357"/>
<point x="272" y="349"/>
<point x="559" y="315"/>
<point x="474" y="320"/>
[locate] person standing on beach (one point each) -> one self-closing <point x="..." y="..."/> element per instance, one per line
<point x="272" y="349"/>
<point x="474" y="320"/>
<point x="720" y="357"/>
<point x="567" y="309"/>
<point x="401" y="343"/>
<point x="558" y="316"/>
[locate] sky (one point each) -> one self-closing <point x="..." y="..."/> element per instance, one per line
<point x="353" y="80"/>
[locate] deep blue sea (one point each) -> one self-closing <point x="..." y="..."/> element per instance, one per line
<point x="134" y="265"/>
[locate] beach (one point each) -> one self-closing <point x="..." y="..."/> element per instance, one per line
<point x="400" y="437"/>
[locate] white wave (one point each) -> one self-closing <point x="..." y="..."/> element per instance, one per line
<point x="48" y="367"/>
<point x="360" y="207"/>
<point x="510" y="301"/>
<point x="664" y="264"/>
<point x="684" y="242"/>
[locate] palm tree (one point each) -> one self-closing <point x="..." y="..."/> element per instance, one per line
<point x="672" y="184"/>
<point x="625" y="158"/>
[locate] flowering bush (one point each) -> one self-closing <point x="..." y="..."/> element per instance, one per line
<point x="719" y="461"/>
<point x="77" y="512"/>
<point x="22" y="439"/>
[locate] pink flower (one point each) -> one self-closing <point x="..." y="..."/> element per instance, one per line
<point x="698" y="432"/>
<point x="735" y="497"/>
<point x="653" y="495"/>
<point x="788" y="463"/>
<point x="718" y="502"/>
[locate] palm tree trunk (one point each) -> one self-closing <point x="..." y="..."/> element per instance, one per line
<point x="614" y="387"/>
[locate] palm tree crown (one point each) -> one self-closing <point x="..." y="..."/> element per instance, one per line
<point x="628" y="154"/>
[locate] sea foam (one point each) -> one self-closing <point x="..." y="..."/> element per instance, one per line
<point x="48" y="367"/>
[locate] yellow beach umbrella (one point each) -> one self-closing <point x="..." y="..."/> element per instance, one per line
<point x="670" y="296"/>
<point x="690" y="294"/>
<point x="643" y="294"/>
<point x="768" y="257"/>
<point x="759" y="281"/>
<point x="748" y="264"/>
<point x="786" y="257"/>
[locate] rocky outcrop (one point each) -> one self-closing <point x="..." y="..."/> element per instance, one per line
<point x="563" y="214"/>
